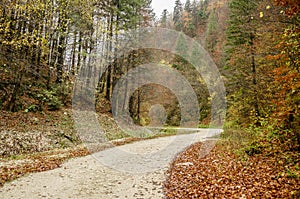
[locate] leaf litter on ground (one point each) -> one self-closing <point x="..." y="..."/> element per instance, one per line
<point x="222" y="174"/>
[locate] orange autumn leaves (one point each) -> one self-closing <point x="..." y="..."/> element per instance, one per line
<point x="287" y="71"/>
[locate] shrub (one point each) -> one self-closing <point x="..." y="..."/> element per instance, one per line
<point x="50" y="99"/>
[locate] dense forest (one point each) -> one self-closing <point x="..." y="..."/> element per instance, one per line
<point x="47" y="45"/>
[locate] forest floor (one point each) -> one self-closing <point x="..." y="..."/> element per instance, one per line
<point x="34" y="142"/>
<point x="41" y="141"/>
<point x="226" y="173"/>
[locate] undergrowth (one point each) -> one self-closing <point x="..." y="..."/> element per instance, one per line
<point x="266" y="140"/>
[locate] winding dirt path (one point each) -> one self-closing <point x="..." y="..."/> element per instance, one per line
<point x="134" y="170"/>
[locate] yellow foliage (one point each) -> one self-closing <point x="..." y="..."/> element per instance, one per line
<point x="261" y="14"/>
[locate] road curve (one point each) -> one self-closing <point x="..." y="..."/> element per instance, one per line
<point x="134" y="170"/>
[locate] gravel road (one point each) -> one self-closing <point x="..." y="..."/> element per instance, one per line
<point x="134" y="170"/>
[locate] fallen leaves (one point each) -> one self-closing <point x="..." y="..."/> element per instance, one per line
<point x="24" y="133"/>
<point x="221" y="174"/>
<point x="32" y="142"/>
<point x="12" y="169"/>
<point x="16" y="142"/>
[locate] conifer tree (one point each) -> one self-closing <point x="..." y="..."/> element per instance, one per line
<point x="177" y="15"/>
<point x="188" y="6"/>
<point x="241" y="36"/>
<point x="163" y="19"/>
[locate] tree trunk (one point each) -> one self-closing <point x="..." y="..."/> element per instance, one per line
<point x="254" y="80"/>
<point x="11" y="106"/>
<point x="73" y="69"/>
<point x="79" y="52"/>
<point x="110" y="66"/>
<point x="60" y="59"/>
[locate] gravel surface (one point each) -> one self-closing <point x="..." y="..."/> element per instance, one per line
<point x="135" y="170"/>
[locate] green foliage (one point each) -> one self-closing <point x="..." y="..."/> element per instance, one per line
<point x="63" y="91"/>
<point x="177" y="15"/>
<point x="253" y="148"/>
<point x="231" y="124"/>
<point x="241" y="22"/>
<point x="243" y="84"/>
<point x="178" y="67"/>
<point x="32" y="108"/>
<point x="51" y="99"/>
<point x="202" y="14"/>
<point x="164" y="17"/>
<point x="237" y="141"/>
<point x="212" y="31"/>
<point x="248" y="142"/>
<point x="292" y="174"/>
<point x="204" y="126"/>
<point x="168" y="131"/>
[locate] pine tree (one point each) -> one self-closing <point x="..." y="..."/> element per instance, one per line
<point x="163" y="19"/>
<point x="177" y="15"/>
<point x="188" y="6"/>
<point x="195" y="13"/>
<point x="241" y="36"/>
<point x="202" y="15"/>
<point x="211" y="34"/>
<point x="188" y="23"/>
<point x="147" y="13"/>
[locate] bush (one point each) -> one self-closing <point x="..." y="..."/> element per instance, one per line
<point x="63" y="91"/>
<point x="253" y="148"/>
<point x="50" y="99"/>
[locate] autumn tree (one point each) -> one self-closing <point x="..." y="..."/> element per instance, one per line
<point x="22" y="43"/>
<point x="54" y="41"/>
<point x="189" y="26"/>
<point x="287" y="71"/>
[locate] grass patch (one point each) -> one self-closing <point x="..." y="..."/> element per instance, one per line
<point x="204" y="126"/>
<point x="241" y="142"/>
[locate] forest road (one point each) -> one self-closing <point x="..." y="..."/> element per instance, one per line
<point x="135" y="170"/>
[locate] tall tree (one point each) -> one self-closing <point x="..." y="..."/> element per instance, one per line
<point x="52" y="41"/>
<point x="212" y="31"/>
<point x="147" y="13"/>
<point x="177" y="15"/>
<point x="188" y="6"/>
<point x="188" y="25"/>
<point x="287" y="70"/>
<point x="164" y="18"/>
<point x="241" y="35"/>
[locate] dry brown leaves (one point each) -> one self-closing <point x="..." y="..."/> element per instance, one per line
<point x="24" y="133"/>
<point x="21" y="121"/>
<point x="222" y="175"/>
<point x="33" y="142"/>
<point x="12" y="169"/>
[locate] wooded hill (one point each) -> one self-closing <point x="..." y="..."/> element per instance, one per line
<point x="46" y="44"/>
